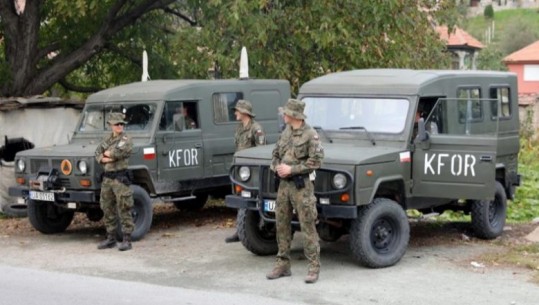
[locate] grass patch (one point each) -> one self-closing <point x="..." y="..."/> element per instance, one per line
<point x="525" y="256"/>
<point x="3" y="216"/>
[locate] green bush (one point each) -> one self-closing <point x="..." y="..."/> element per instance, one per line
<point x="489" y="12"/>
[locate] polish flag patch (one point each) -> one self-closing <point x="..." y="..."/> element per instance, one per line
<point x="405" y="157"/>
<point x="149" y="153"/>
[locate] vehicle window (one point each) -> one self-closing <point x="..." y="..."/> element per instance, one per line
<point x="501" y="99"/>
<point x="448" y="116"/>
<point x="179" y="116"/>
<point x="469" y="105"/>
<point x="139" y="117"/>
<point x="223" y="106"/>
<point x="345" y="113"/>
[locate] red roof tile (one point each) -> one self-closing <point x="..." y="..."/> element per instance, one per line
<point x="529" y="53"/>
<point x="458" y="37"/>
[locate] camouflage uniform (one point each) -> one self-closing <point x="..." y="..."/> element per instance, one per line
<point x="116" y="197"/>
<point x="301" y="149"/>
<point x="245" y="137"/>
<point x="249" y="136"/>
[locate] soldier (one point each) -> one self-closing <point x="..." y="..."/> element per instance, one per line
<point x="116" y="196"/>
<point x="296" y="156"/>
<point x="248" y="134"/>
<point x="189" y="123"/>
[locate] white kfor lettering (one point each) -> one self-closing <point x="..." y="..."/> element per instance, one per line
<point x="456" y="165"/>
<point x="469" y="163"/>
<point x="178" y="156"/>
<point x="183" y="157"/>
<point x="428" y="164"/>
<point x="171" y="158"/>
<point x="194" y="155"/>
<point x="440" y="163"/>
<point x="460" y="164"/>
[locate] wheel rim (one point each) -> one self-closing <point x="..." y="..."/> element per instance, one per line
<point x="384" y="234"/>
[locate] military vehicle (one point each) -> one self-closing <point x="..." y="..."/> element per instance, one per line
<point x="394" y="140"/>
<point x="178" y="159"/>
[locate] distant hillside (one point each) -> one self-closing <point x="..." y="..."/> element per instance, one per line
<point x="477" y="26"/>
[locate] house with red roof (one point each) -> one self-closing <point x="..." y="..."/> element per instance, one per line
<point x="463" y="47"/>
<point x="525" y="63"/>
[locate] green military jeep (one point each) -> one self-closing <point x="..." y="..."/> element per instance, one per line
<point x="180" y="159"/>
<point x="394" y="140"/>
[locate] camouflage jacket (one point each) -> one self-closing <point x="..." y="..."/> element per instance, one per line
<point x="299" y="148"/>
<point x="249" y="136"/>
<point x="120" y="148"/>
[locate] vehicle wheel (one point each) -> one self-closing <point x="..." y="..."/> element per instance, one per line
<point x="142" y="213"/>
<point x="256" y="235"/>
<point x="379" y="236"/>
<point x="488" y="216"/>
<point x="48" y="218"/>
<point x="193" y="204"/>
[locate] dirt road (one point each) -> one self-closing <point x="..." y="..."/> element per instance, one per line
<point x="187" y="250"/>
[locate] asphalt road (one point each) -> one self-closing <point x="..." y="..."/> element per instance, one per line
<point x="191" y="264"/>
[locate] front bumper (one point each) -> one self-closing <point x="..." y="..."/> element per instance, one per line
<point x="324" y="211"/>
<point x="64" y="196"/>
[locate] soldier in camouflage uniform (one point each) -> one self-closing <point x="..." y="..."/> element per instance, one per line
<point x="116" y="196"/>
<point x="248" y="134"/>
<point x="296" y="156"/>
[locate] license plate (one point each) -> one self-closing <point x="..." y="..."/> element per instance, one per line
<point x="269" y="205"/>
<point x="42" y="196"/>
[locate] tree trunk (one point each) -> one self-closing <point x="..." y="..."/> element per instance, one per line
<point x="23" y="53"/>
<point x="21" y="44"/>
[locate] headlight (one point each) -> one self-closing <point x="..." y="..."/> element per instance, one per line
<point x="21" y="165"/>
<point x="83" y="166"/>
<point x="339" y="181"/>
<point x="245" y="173"/>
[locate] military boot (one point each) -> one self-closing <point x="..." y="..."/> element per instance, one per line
<point x="126" y="243"/>
<point x="278" y="271"/>
<point x="312" y="277"/>
<point x="110" y="242"/>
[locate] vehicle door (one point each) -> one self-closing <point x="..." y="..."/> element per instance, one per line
<point x="179" y="145"/>
<point x="457" y="157"/>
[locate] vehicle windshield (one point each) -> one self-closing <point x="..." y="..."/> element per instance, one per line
<point x="139" y="117"/>
<point x="357" y="114"/>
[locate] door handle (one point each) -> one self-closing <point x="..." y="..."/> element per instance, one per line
<point x="198" y="145"/>
<point x="486" y="158"/>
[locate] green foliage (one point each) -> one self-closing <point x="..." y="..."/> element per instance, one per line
<point x="517" y="35"/>
<point x="525" y="207"/>
<point x="488" y="13"/>
<point x="491" y="58"/>
<point x="300" y="40"/>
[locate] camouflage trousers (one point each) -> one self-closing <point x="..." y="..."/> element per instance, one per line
<point x="289" y="198"/>
<point x="116" y="203"/>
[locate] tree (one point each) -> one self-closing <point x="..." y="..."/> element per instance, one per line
<point x="299" y="40"/>
<point x="54" y="40"/>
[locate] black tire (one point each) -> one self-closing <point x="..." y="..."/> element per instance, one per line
<point x="142" y="213"/>
<point x="193" y="204"/>
<point x="379" y="236"/>
<point x="488" y="216"/>
<point x="48" y="218"/>
<point x="256" y="235"/>
<point x="15" y="210"/>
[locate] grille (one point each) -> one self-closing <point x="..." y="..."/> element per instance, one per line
<point x="36" y="164"/>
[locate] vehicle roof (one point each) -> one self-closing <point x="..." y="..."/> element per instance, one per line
<point x="155" y="90"/>
<point x="398" y="81"/>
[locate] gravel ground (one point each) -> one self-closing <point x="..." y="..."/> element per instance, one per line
<point x="443" y="264"/>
